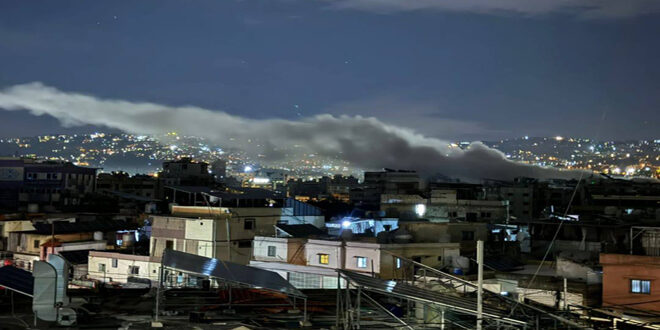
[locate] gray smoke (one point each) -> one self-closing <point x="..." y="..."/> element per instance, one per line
<point x="364" y="142"/>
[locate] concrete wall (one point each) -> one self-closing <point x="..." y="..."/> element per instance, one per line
<point x="147" y="268"/>
<point x="334" y="249"/>
<point x="261" y="245"/>
<point x="434" y="255"/>
<point x="619" y="269"/>
<point x="370" y="251"/>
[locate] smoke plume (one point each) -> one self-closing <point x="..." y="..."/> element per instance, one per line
<point x="366" y="143"/>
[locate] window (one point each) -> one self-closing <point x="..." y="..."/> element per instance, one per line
<point x="272" y="251"/>
<point x="101" y="267"/>
<point x="361" y="262"/>
<point x="640" y="286"/>
<point x="244" y="244"/>
<point x="36" y="243"/>
<point x="398" y="263"/>
<point x="134" y="270"/>
<point x="169" y="244"/>
<point x="324" y="259"/>
<point x="467" y="235"/>
<point x="114" y="263"/>
<point x="248" y="224"/>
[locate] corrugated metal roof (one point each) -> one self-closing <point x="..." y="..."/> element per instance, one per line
<point x="17" y="279"/>
<point x="404" y="290"/>
<point x="228" y="271"/>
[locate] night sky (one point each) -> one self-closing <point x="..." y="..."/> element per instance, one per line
<point x="440" y="67"/>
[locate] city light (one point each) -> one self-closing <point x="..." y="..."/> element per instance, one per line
<point x="420" y="210"/>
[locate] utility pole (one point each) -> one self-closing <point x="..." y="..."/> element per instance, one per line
<point x="480" y="282"/>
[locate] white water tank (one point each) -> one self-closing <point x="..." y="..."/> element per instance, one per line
<point x="98" y="236"/>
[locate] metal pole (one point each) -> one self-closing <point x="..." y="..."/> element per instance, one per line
<point x="228" y="239"/>
<point x="160" y="283"/>
<point x="357" y="303"/>
<point x="52" y="239"/>
<point x="338" y="300"/>
<point x="442" y="319"/>
<point x="565" y="294"/>
<point x="480" y="282"/>
<point x="305" y="311"/>
<point x="631" y="240"/>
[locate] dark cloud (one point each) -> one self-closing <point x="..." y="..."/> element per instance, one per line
<point x="579" y="8"/>
<point x="365" y="142"/>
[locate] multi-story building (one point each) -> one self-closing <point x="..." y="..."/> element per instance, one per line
<point x="323" y="256"/>
<point x="121" y="182"/>
<point x="37" y="186"/>
<point x="57" y="235"/>
<point x="185" y="172"/>
<point x="368" y="194"/>
<point x="630" y="282"/>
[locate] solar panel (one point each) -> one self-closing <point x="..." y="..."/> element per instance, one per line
<point x="228" y="271"/>
<point x="17" y="279"/>
<point x="401" y="289"/>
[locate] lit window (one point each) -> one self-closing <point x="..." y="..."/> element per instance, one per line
<point x="272" y="251"/>
<point x="398" y="263"/>
<point x="324" y="259"/>
<point x="640" y="286"/>
<point x="361" y="262"/>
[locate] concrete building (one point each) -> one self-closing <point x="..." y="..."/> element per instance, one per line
<point x="630" y="282"/>
<point x="323" y="256"/>
<point x="59" y="236"/>
<point x="43" y="186"/>
<point x="118" y="267"/>
<point x="368" y="194"/>
<point x="137" y="185"/>
<point x="185" y="172"/>
<point x="443" y="205"/>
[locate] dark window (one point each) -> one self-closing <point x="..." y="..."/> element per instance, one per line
<point x="114" y="263"/>
<point x="272" y="251"/>
<point x="244" y="244"/>
<point x="36" y="243"/>
<point x="134" y="270"/>
<point x="169" y="245"/>
<point x="640" y="286"/>
<point x="248" y="224"/>
<point x="467" y="235"/>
